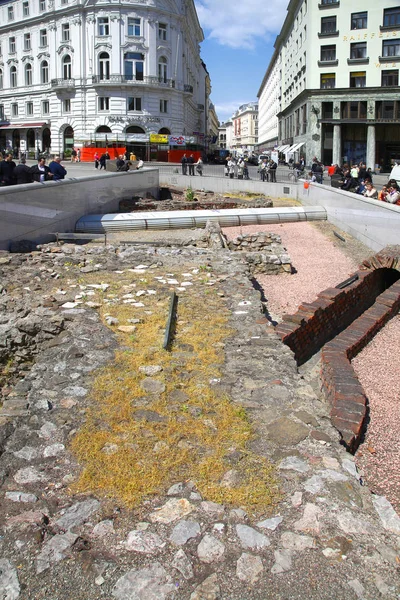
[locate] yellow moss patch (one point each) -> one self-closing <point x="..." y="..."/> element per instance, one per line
<point x="135" y="444"/>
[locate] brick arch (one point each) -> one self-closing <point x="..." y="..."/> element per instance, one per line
<point x="341" y="321"/>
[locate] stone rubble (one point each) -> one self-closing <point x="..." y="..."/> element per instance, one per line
<point x="330" y="538"/>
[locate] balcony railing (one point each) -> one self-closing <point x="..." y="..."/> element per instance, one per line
<point x="63" y="84"/>
<point x="124" y="80"/>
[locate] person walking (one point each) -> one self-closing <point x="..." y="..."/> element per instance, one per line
<point x="59" y="172"/>
<point x="240" y="167"/>
<point x="184" y="163"/>
<point x="78" y="155"/>
<point x="264" y="170"/>
<point x="7" y="167"/>
<point x="199" y="166"/>
<point x="231" y="168"/>
<point x="22" y="173"/>
<point x="73" y="155"/>
<point x="96" y="160"/>
<point x="102" y="161"/>
<point x="246" y="169"/>
<point x="191" y="164"/>
<point x="41" y="171"/>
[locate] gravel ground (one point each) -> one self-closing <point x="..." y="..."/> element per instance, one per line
<point x="378" y="368"/>
<point x="321" y="262"/>
<point x="318" y="261"/>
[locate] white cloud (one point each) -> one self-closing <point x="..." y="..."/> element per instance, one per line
<point x="237" y="24"/>
<point x="226" y="109"/>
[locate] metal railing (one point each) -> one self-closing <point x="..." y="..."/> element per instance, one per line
<point x="124" y="80"/>
<point x="282" y="173"/>
<point x="62" y="83"/>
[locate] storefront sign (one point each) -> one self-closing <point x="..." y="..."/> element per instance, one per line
<point x="360" y="37"/>
<point x="137" y="137"/>
<point x="158" y="138"/>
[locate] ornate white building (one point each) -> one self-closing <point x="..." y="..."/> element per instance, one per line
<point x="79" y="71"/>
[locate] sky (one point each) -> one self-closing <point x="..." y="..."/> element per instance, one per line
<point x="239" y="39"/>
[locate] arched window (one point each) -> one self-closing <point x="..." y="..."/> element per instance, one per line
<point x="164" y="131"/>
<point x="162" y="69"/>
<point x="1" y="79"/>
<point x="44" y="72"/>
<point x="67" y="69"/>
<point x="13" y="77"/>
<point x="134" y="129"/>
<point x="28" y="74"/>
<point x="103" y="129"/>
<point x="104" y="65"/>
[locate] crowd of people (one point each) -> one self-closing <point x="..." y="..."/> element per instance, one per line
<point x="188" y="163"/>
<point x="13" y="174"/>
<point x="358" y="179"/>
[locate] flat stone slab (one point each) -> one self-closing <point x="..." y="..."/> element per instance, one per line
<point x="286" y="432"/>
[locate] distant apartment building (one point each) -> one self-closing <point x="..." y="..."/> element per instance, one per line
<point x="338" y="98"/>
<point x="74" y="72"/>
<point x="245" y="127"/>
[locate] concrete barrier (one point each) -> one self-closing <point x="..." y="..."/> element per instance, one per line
<point x="375" y="223"/>
<point x="35" y="211"/>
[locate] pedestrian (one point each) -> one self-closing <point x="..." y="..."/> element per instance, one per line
<point x="132" y="157"/>
<point x="7" y="167"/>
<point x="240" y="166"/>
<point x="264" y="170"/>
<point x="102" y="161"/>
<point x="59" y="172"/>
<point x="22" y="173"/>
<point x="191" y="164"/>
<point x="231" y="168"/>
<point x="226" y="168"/>
<point x="184" y="163"/>
<point x="73" y="155"/>
<point x="78" y="155"/>
<point x="96" y="160"/>
<point x="199" y="166"/>
<point x="41" y="171"/>
<point x="246" y="169"/>
<point x="272" y="171"/>
<point x="120" y="162"/>
<point x="140" y="164"/>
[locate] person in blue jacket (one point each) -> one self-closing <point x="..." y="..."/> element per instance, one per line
<point x="57" y="169"/>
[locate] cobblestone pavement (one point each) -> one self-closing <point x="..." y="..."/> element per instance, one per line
<point x="329" y="538"/>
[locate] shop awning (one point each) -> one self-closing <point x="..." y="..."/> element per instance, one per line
<point x="282" y="148"/>
<point x="35" y="125"/>
<point x="297" y="147"/>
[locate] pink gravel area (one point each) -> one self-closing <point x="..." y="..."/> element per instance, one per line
<point x="378" y="370"/>
<point x="318" y="262"/>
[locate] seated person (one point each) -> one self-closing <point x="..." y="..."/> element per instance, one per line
<point x="393" y="195"/>
<point x="349" y="183"/>
<point x="382" y="193"/>
<point x="370" y="191"/>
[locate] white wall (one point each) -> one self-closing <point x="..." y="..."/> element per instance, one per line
<point x="35" y="210"/>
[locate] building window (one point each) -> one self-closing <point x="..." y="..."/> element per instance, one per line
<point x="328" y="25"/>
<point x="133" y="66"/>
<point x="104" y="103"/>
<point x="103" y="26"/>
<point x="390" y="78"/>
<point x="387" y="110"/>
<point x="67" y="68"/>
<point x="104" y="66"/>
<point x="10" y="13"/>
<point x="359" y="20"/>
<point x="27" y="41"/>
<point x="162" y="69"/>
<point x="45" y="107"/>
<point x="134" y="27"/>
<point x="162" y="32"/>
<point x="13" y="77"/>
<point x="44" y="72"/>
<point x="64" y="1"/>
<point x="163" y="106"/>
<point x="25" y="9"/>
<point x="42" y="5"/>
<point x="28" y="74"/>
<point x="43" y="38"/>
<point x="135" y="104"/>
<point x="354" y="110"/>
<point x="325" y="2"/>
<point x="328" y="53"/>
<point x="65" y="32"/>
<point x="14" y="110"/>
<point x="328" y="81"/>
<point x="391" y="47"/>
<point x="358" y="80"/>
<point x="11" y="45"/>
<point x="66" y="105"/>
<point x="358" y="50"/>
<point x="391" y="17"/>
<point x="29" y="108"/>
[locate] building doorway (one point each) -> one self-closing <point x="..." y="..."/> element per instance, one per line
<point x="46" y="140"/>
